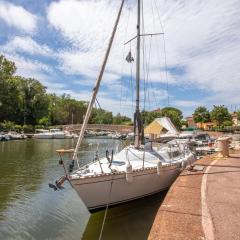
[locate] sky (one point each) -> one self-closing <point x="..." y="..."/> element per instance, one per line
<point x="62" y="44"/>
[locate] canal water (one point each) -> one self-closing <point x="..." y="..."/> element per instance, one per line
<point x="29" y="209"/>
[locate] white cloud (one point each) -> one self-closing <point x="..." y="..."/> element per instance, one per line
<point x="89" y="34"/>
<point x="92" y="17"/>
<point x="17" y="16"/>
<point x="186" y="103"/>
<point x="29" y="68"/>
<point x="26" y="44"/>
<point x="204" y="39"/>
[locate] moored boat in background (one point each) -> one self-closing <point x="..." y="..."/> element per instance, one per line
<point x="57" y="133"/>
<point x="42" y="134"/>
<point x="16" y="136"/>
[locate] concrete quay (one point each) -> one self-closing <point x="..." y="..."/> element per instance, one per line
<point x="202" y="204"/>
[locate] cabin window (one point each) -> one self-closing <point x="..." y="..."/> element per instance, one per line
<point x="174" y="154"/>
<point x="202" y="137"/>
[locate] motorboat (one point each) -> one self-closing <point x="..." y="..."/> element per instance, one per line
<point x="70" y="135"/>
<point x="16" y="136"/>
<point x="197" y="138"/>
<point x="42" y="134"/>
<point x="4" y="137"/>
<point x="57" y="133"/>
<point x="130" y="136"/>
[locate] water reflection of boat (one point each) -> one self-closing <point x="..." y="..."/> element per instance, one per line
<point x="138" y="215"/>
<point x="137" y="170"/>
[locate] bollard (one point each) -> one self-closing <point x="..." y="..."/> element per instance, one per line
<point x="223" y="146"/>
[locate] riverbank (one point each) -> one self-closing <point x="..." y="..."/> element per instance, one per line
<point x="202" y="204"/>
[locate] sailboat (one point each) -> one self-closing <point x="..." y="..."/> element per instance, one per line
<point x="136" y="171"/>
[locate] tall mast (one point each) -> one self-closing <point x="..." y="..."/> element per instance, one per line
<point x="137" y="120"/>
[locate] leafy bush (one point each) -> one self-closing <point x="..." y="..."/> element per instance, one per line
<point x="227" y="123"/>
<point x="8" y="125"/>
<point x="28" y="128"/>
<point x="18" y="128"/>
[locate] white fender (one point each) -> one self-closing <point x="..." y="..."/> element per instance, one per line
<point x="192" y="159"/>
<point x="183" y="164"/>
<point x="129" y="173"/>
<point x="159" y="166"/>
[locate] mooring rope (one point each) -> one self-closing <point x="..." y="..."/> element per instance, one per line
<point x="106" y="210"/>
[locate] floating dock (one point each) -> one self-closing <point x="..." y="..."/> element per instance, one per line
<point x="203" y="203"/>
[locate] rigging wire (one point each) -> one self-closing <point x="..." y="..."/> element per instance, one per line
<point x="148" y="74"/>
<point x="143" y="50"/>
<point x="157" y="45"/>
<point x="165" y="55"/>
<point x="97" y="103"/>
<point x="123" y="56"/>
<point x="149" y="85"/>
<point x="146" y="68"/>
<point x="130" y="81"/>
<point x="146" y="65"/>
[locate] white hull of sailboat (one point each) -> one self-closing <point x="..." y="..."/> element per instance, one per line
<point x="96" y="192"/>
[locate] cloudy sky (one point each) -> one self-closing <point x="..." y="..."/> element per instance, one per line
<point x="62" y="44"/>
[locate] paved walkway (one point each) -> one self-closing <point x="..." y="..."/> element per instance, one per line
<point x="203" y="204"/>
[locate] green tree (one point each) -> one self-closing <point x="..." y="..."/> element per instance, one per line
<point x="100" y="116"/>
<point x="9" y="92"/>
<point x="21" y="100"/>
<point x="7" y="68"/>
<point x="34" y="100"/>
<point x="65" y="110"/>
<point x="227" y="123"/>
<point x="173" y="113"/>
<point x="25" y="101"/>
<point x="10" y="98"/>
<point x="220" y="114"/>
<point x="148" y="117"/>
<point x="118" y="119"/>
<point x="201" y="115"/>
<point x="44" y="121"/>
<point x="8" y="125"/>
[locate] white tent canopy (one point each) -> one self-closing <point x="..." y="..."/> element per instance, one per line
<point x="167" y="124"/>
<point x="161" y="127"/>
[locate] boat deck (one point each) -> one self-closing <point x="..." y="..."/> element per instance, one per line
<point x="135" y="158"/>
